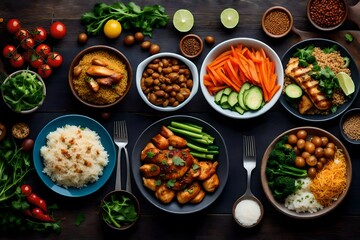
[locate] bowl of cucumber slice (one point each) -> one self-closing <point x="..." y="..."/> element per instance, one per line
<point x="242" y="78"/>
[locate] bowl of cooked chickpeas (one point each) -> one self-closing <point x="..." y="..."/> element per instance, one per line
<point x="167" y="81"/>
<point x="306" y="172"/>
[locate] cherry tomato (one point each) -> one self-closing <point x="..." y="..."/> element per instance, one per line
<point x="9" y="51"/>
<point x="28" y="55"/>
<point x="44" y="70"/>
<point x="54" y="59"/>
<point x="27" y="144"/>
<point x="36" y="61"/>
<point x="21" y="34"/>
<point x="58" y="30"/>
<point x="43" y="50"/>
<point x="13" y="25"/>
<point x="39" y="34"/>
<point x="17" y="61"/>
<point x="26" y="190"/>
<point x="28" y="43"/>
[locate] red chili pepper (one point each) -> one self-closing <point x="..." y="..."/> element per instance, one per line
<point x="37" y="201"/>
<point x="26" y="190"/>
<point x="28" y="212"/>
<point x="39" y="214"/>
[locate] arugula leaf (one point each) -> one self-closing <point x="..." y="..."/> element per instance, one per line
<point x="80" y="218"/>
<point x="348" y="37"/>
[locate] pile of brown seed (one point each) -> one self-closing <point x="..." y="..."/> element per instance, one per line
<point x="351" y="127"/>
<point x="191" y="46"/>
<point x="327" y="13"/>
<point x="277" y="22"/>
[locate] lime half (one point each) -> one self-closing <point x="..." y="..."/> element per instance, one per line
<point x="346" y="83"/>
<point x="183" y="20"/>
<point x="229" y="17"/>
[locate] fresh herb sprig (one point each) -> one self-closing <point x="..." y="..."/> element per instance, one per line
<point x="129" y="15"/>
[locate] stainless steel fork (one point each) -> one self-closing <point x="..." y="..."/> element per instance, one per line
<point x="121" y="140"/>
<point x="249" y="158"/>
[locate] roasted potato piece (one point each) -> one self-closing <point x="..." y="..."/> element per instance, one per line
<point x="150" y="183"/>
<point x="207" y="169"/>
<point x="199" y="197"/>
<point x="211" y="183"/>
<point x="305" y="104"/>
<point x="160" y="142"/>
<point x="177" y="142"/>
<point x="164" y="194"/>
<point x="150" y="170"/>
<point x="166" y="132"/>
<point x="189" y="193"/>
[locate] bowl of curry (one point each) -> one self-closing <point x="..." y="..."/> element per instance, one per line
<point x="100" y="76"/>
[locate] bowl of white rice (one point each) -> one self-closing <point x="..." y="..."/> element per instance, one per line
<point x="74" y="155"/>
<point x="314" y="195"/>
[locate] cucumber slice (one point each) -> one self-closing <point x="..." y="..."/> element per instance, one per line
<point x="224" y="99"/>
<point x="218" y="96"/>
<point x="293" y="92"/>
<point x="233" y="98"/>
<point x="239" y="109"/>
<point x="227" y="91"/>
<point x="253" y="98"/>
<point x="243" y="88"/>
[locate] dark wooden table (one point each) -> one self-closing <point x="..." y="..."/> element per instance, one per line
<point x="216" y="221"/>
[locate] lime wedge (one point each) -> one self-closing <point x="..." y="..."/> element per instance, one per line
<point x="346" y="83"/>
<point x="229" y="17"/>
<point x="183" y="20"/>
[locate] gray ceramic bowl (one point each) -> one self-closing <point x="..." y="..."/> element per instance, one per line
<point x="350" y="126"/>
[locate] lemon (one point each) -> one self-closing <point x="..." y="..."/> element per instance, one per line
<point x="183" y="20"/>
<point x="346" y="83"/>
<point x="229" y="17"/>
<point x="112" y="28"/>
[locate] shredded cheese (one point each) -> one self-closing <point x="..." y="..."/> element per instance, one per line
<point x="330" y="182"/>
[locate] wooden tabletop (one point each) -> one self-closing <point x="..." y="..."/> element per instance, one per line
<point x="214" y="222"/>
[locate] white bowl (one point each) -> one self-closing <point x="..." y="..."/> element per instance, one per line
<point x="192" y="67"/>
<point x="38" y="77"/>
<point x="251" y="43"/>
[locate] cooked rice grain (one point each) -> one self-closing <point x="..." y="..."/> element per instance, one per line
<point x="73" y="156"/>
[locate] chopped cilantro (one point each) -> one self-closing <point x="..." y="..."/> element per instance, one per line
<point x="170" y="183"/>
<point x="178" y="161"/>
<point x="349" y="38"/>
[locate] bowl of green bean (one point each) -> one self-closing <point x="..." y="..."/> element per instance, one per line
<point x="23" y="91"/>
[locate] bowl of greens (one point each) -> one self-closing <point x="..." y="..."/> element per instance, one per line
<point x="119" y="210"/>
<point x="23" y="91"/>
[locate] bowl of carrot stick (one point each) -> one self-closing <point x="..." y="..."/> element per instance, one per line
<point x="242" y="78"/>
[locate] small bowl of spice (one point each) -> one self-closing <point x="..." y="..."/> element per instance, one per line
<point x="277" y="22"/>
<point x="350" y="126"/>
<point x="191" y="46"/>
<point x="326" y="15"/>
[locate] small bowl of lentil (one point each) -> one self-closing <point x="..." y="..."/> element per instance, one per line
<point x="326" y="15"/>
<point x="350" y="126"/>
<point x="277" y="22"/>
<point x="100" y="76"/>
<point x="191" y="46"/>
<point x="167" y="81"/>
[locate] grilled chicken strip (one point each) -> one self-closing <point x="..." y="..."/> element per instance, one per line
<point x="100" y="71"/>
<point x="310" y="86"/>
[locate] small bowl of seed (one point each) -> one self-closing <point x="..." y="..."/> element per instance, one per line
<point x="191" y="46"/>
<point x="277" y="22"/>
<point x="350" y="126"/>
<point x="326" y="16"/>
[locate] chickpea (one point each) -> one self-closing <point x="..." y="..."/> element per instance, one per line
<point x="139" y="36"/>
<point x="309" y="147"/>
<point x="316" y="140"/>
<point x="301" y="134"/>
<point x="312" y="172"/>
<point x="311" y="161"/>
<point x="300" y="162"/>
<point x="145" y="45"/>
<point x="331" y="145"/>
<point x="305" y="155"/>
<point x="292" y="139"/>
<point x="329" y="153"/>
<point x="300" y="144"/>
<point x="324" y="141"/>
<point x="319" y="152"/>
<point x="319" y="166"/>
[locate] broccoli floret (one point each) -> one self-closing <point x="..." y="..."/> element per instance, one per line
<point x="282" y="187"/>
